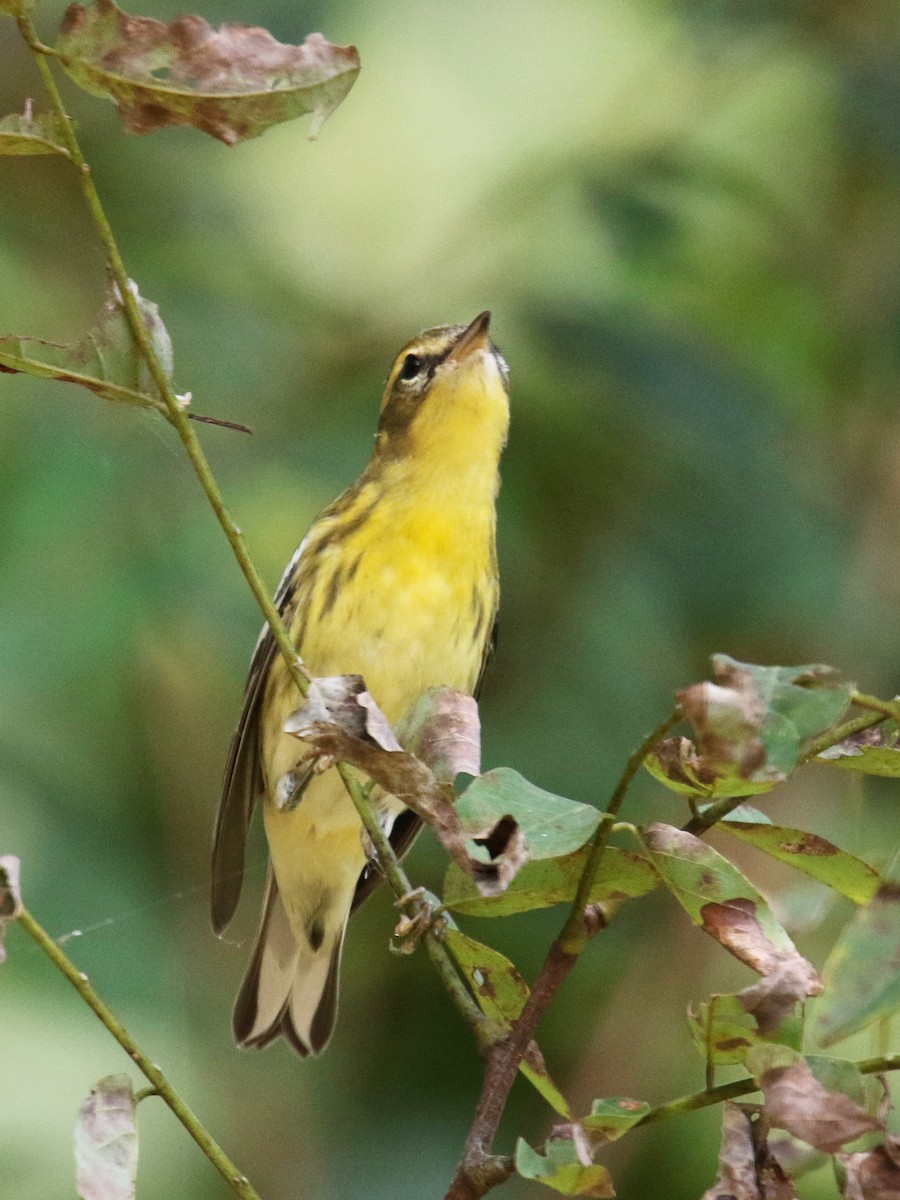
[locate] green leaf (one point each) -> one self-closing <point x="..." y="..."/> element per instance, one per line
<point x="718" y="898"/>
<point x="862" y="983"/>
<point x="611" y="1117"/>
<point x="551" y="825"/>
<point x="753" y="726"/>
<point x="39" y="133"/>
<point x="562" y="1169"/>
<point x="540" y="884"/>
<point x="723" y="1030"/>
<point x="106" y="360"/>
<point x="501" y="992"/>
<point x="106" y="1142"/>
<point x="873" y="751"/>
<point x="811" y="854"/>
<point x="232" y="83"/>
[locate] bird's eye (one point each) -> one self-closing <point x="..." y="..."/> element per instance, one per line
<point x="412" y="365"/>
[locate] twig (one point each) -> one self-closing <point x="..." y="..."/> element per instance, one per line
<point x="178" y="418"/>
<point x="160" y="1084"/>
<point x="743" y="1087"/>
<point x="398" y="880"/>
<point x="575" y="933"/>
<point x="474" y="1177"/>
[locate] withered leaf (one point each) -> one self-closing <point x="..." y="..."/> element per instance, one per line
<point x="719" y="899"/>
<point x="872" y="1174"/>
<point x="443" y="729"/>
<point x="106" y="360"/>
<point x="10" y="896"/>
<point x="747" y="1170"/>
<point x="232" y="83"/>
<point x="798" y="1102"/>
<point x="106" y="1141"/>
<point x="340" y="720"/>
<point x="752" y="726"/>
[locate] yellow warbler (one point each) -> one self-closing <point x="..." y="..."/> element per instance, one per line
<point x="395" y="581"/>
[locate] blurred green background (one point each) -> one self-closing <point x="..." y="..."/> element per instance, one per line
<point x="686" y="219"/>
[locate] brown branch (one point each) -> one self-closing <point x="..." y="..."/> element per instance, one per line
<point x="478" y="1172"/>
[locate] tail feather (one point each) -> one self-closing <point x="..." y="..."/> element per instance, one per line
<point x="290" y="990"/>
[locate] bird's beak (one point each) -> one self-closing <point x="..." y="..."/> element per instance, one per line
<point x="473" y="338"/>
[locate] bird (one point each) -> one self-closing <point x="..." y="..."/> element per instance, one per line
<point x="397" y="581"/>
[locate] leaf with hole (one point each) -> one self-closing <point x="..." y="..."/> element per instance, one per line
<point x="551" y="825"/>
<point x="622" y="876"/>
<point x="232" y="83"/>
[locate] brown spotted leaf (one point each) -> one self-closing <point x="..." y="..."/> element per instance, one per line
<point x="106" y="1141"/>
<point x="811" y="854"/>
<point x="752" y="727"/>
<point x="106" y="360"/>
<point x="340" y="720"/>
<point x="32" y="133"/>
<point x="10" y="897"/>
<point x="233" y="82"/>
<point x="501" y="992"/>
<point x="798" y="1102"/>
<point x="718" y="898"/>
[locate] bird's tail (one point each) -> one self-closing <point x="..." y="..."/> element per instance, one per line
<point x="290" y="989"/>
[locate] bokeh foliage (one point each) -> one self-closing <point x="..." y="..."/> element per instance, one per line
<point x="686" y="220"/>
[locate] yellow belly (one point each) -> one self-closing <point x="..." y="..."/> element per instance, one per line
<point x="415" y="614"/>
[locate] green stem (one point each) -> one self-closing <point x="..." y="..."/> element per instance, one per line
<point x="575" y="933"/>
<point x="174" y="411"/>
<point x="201" y="1135"/>
<point x="402" y="888"/>
<point x="831" y="737"/>
<point x="743" y="1087"/>
<point x="887" y="708"/>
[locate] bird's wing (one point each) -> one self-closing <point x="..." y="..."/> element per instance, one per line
<point x="243" y="772"/>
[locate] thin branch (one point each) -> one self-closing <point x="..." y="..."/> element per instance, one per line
<point x="176" y="415"/>
<point x="420" y="909"/>
<point x="743" y="1087"/>
<point x="474" y="1177"/>
<point x="575" y="933"/>
<point x="160" y="1084"/>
